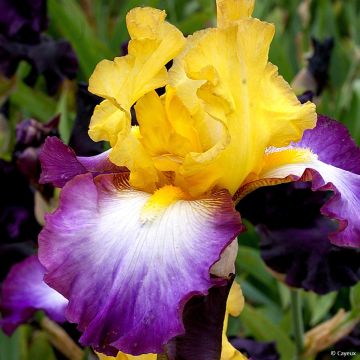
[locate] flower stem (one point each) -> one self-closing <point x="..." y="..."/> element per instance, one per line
<point x="61" y="340"/>
<point x="297" y="320"/>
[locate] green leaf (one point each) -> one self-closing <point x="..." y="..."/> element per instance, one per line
<point x="320" y="305"/>
<point x="249" y="261"/>
<point x="40" y="348"/>
<point x="263" y="329"/>
<point x="253" y="294"/>
<point x="33" y="103"/>
<point x="14" y="347"/>
<point x="355" y="297"/>
<point x="66" y="117"/>
<point x="70" y="20"/>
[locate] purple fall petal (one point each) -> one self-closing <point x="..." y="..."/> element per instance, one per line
<point x="60" y="164"/>
<point x="142" y="271"/>
<point x="24" y="292"/>
<point x="203" y="318"/>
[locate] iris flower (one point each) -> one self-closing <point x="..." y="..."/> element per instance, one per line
<point x="139" y="228"/>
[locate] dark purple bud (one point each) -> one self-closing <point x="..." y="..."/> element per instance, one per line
<point x="30" y="135"/>
<point x="319" y="62"/>
<point x="256" y="350"/>
<point x="55" y="60"/>
<point x="23" y="20"/>
<point x="33" y="133"/>
<point x="17" y="219"/>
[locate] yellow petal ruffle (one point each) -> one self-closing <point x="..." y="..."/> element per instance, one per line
<point x="154" y="42"/>
<point x="224" y="104"/>
<point x="243" y="92"/>
<point x="230" y="11"/>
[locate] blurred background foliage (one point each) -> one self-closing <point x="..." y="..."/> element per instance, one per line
<point x="96" y="30"/>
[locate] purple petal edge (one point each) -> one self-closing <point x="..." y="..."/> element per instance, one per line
<point x="24" y="292"/>
<point x="333" y="145"/>
<point x="60" y="164"/>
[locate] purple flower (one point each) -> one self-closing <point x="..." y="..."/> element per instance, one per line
<point x="21" y="25"/>
<point x="30" y="136"/>
<point x="24" y="292"/>
<point x="17" y="205"/>
<point x="109" y="198"/>
<point x="18" y="226"/>
<point x="54" y="59"/>
<point x="256" y="350"/>
<point x="319" y="62"/>
<point x="23" y="20"/>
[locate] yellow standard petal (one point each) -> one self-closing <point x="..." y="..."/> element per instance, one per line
<point x="224" y="103"/>
<point x="245" y="94"/>
<point x="154" y="42"/>
<point x="229" y="11"/>
<point x="108" y="122"/>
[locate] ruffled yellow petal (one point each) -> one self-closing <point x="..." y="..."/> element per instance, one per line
<point x="230" y="11"/>
<point x="166" y="126"/>
<point x="154" y="125"/>
<point x="224" y="104"/>
<point x="131" y="153"/>
<point x="186" y="88"/>
<point x="154" y="42"/>
<point x="243" y="93"/>
<point x="286" y="118"/>
<point x="108" y="122"/>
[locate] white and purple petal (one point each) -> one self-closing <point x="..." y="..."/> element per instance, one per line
<point x="127" y="279"/>
<point x="24" y="292"/>
<point x="60" y="164"/>
<point x="329" y="159"/>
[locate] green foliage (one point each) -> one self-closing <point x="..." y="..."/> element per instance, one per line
<point x="14" y="347"/>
